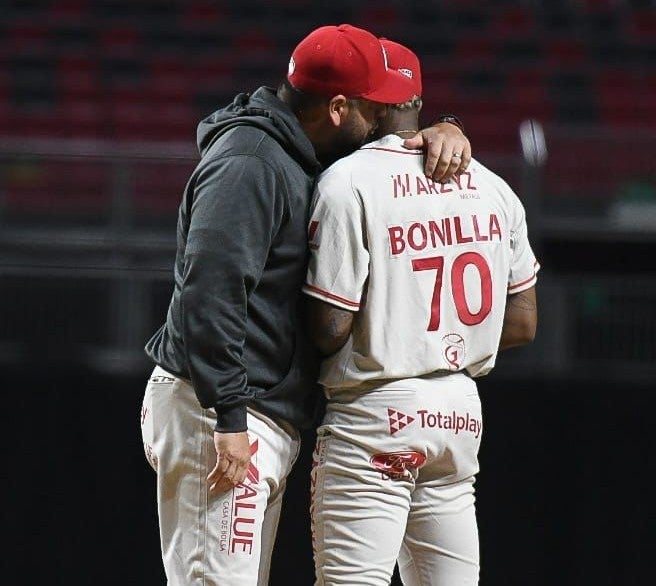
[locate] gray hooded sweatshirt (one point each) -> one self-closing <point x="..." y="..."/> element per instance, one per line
<point x="234" y="326"/>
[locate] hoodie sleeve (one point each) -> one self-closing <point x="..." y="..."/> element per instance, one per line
<point x="235" y="214"/>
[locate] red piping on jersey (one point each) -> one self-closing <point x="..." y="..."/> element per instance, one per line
<point x="332" y="296"/>
<point x="511" y="287"/>
<point x="391" y="151"/>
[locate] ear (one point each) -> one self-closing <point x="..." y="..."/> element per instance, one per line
<point x="338" y="109"/>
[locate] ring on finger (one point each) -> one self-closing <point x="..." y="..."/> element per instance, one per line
<point x="456" y="156"/>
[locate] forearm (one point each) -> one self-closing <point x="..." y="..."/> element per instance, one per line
<point x="330" y="326"/>
<point x="520" y="320"/>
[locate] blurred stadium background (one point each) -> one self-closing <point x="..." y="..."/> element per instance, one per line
<point x="99" y="102"/>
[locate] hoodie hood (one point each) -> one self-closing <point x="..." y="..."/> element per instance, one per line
<point x="262" y="109"/>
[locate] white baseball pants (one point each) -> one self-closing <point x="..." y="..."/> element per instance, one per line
<point x="393" y="479"/>
<point x="223" y="540"/>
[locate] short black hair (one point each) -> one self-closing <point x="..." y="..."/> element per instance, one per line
<point x="414" y="102"/>
<point x="299" y="100"/>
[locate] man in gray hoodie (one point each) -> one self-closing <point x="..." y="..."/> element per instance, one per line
<point x="235" y="375"/>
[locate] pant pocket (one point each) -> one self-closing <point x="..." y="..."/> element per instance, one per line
<point x="148" y="428"/>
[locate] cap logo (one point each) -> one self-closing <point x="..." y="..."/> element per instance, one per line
<point x="406" y="72"/>
<point x="292" y="67"/>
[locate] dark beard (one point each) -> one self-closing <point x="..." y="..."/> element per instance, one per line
<point x="342" y="149"/>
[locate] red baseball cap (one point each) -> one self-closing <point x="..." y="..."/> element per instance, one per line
<point x="346" y="60"/>
<point x="404" y="61"/>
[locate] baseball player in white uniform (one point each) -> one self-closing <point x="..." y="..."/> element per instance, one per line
<point x="414" y="287"/>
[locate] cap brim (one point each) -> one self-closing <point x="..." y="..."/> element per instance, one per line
<point x="396" y="89"/>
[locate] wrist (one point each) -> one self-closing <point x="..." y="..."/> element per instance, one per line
<point x="450" y="119"/>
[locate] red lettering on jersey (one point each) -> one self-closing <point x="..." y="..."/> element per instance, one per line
<point x="465" y="315"/>
<point x="442" y="232"/>
<point x="445" y="188"/>
<point x="470" y="184"/>
<point x="495" y="229"/>
<point x="426" y="186"/>
<point x="397" y="244"/>
<point x="243" y="518"/>
<point x="460" y="239"/>
<point x="420" y="187"/>
<point x="477" y="233"/>
<point x="249" y="492"/>
<point x="243" y="532"/>
<point x="243" y="505"/>
<point x="447" y="231"/>
<point x="399" y="188"/>
<point x="417" y="237"/>
<point x="435" y="230"/>
<point x="253" y="474"/>
<point x="431" y="185"/>
<point x="246" y="545"/>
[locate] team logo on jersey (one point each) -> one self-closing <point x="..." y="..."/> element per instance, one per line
<point x="397" y="420"/>
<point x="453" y="348"/>
<point x="397" y="465"/>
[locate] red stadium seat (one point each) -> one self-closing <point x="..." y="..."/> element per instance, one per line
<point x="80" y="186"/>
<point x="476" y="51"/>
<point x="120" y="41"/>
<point x="83" y="119"/>
<point x="150" y="122"/>
<point x="158" y="186"/>
<point x="154" y="74"/>
<point x="564" y="53"/>
<point x="513" y="21"/>
<point x="29" y="37"/>
<point x="626" y="98"/>
<point x="641" y="25"/>
<point x="78" y="76"/>
<point x="527" y="94"/>
<point x="69" y="10"/>
<point x="202" y="12"/>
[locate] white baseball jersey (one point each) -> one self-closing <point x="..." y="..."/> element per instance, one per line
<point x="427" y="266"/>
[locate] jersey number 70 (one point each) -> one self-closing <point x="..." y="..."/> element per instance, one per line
<point x="457" y="271"/>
